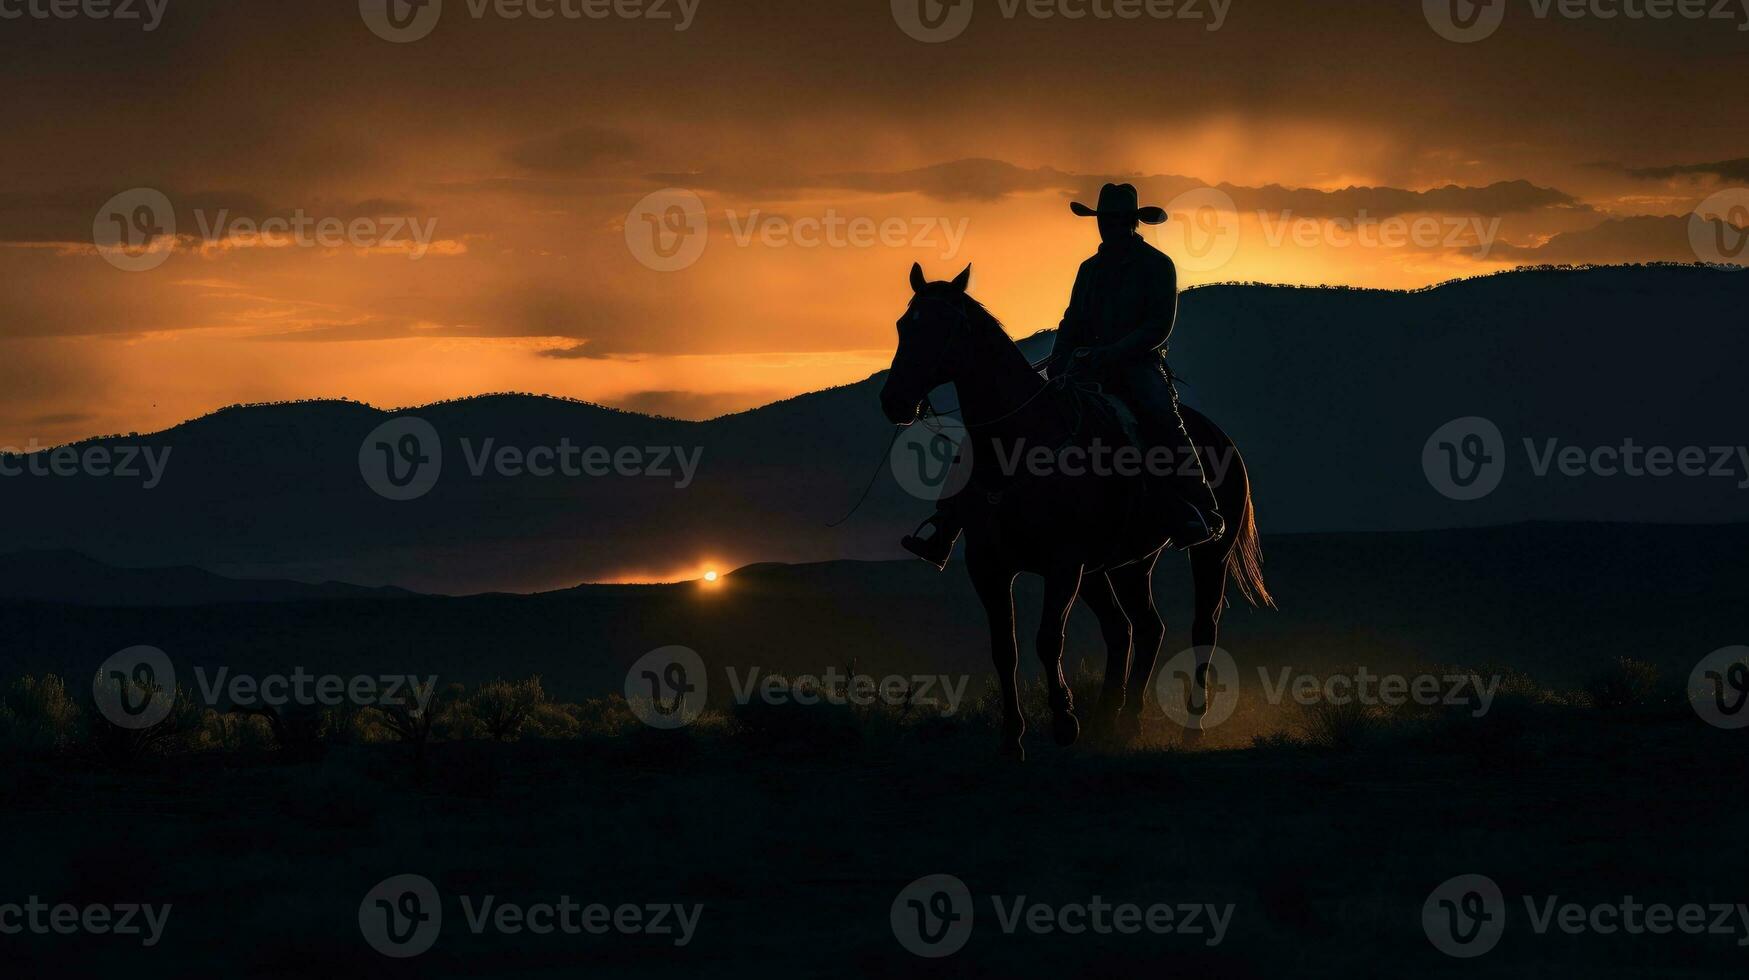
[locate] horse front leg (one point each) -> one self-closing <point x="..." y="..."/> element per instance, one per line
<point x="995" y="587"/>
<point x="1061" y="586"/>
<point x="1115" y="626"/>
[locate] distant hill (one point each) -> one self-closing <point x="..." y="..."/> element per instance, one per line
<point x="1331" y="393"/>
<point x="71" y="578"/>
<point x="1556" y="600"/>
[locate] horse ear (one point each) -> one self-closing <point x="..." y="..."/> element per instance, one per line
<point x="917" y="280"/>
<point x="964" y="279"/>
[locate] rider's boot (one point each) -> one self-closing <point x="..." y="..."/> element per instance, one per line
<point x="938" y="547"/>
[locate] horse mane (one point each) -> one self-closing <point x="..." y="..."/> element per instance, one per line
<point x="990" y="329"/>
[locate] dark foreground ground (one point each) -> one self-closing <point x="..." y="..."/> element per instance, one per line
<point x="797" y="830"/>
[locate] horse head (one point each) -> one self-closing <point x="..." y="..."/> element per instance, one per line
<point x="927" y="356"/>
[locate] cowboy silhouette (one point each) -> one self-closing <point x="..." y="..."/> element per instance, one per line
<point x="1114" y="333"/>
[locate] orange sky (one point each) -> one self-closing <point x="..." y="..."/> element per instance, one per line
<point x="454" y="209"/>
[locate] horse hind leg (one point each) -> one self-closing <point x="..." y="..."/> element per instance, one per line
<point x="1061" y="587"/>
<point x="1133" y="586"/>
<point x="1097" y="593"/>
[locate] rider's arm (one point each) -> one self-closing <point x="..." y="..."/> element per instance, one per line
<point x="1159" y="313"/>
<point x="1068" y="332"/>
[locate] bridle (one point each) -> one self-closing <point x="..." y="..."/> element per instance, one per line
<point x="961" y="326"/>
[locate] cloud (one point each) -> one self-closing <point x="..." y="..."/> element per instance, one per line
<point x="1733" y="171"/>
<point x="1650" y="238"/>
<point x="1494" y="200"/>
<point x="980" y="179"/>
<point x="579" y="351"/>
<point x="574" y="152"/>
<point x="972" y="179"/>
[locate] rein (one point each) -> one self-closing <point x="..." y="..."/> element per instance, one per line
<point x="930" y="410"/>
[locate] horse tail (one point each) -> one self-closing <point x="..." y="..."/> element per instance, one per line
<point x="1245" y="561"/>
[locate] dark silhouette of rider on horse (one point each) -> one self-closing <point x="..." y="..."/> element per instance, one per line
<point x="1115" y="335"/>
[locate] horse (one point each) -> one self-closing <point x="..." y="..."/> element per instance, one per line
<point x="1088" y="537"/>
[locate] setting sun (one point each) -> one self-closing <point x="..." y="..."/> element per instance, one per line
<point x="710" y="576"/>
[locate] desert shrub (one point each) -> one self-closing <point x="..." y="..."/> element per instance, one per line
<point x="410" y="723"/>
<point x="236" y="734"/>
<point x="553" y="721"/>
<point x="503" y="708"/>
<point x="609" y="716"/>
<point x="124" y="748"/>
<point x="37" y="716"/>
<point x="1626" y="685"/>
<point x="1342" y="727"/>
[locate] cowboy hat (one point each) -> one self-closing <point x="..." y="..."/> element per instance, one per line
<point x="1119" y="201"/>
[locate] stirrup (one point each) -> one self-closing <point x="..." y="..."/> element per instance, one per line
<point x="935" y="549"/>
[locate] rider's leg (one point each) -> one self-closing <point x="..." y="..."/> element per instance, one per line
<point x="944" y="525"/>
<point x="1156" y="404"/>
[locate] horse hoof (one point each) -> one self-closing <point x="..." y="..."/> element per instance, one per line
<point x="1065" y="729"/>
